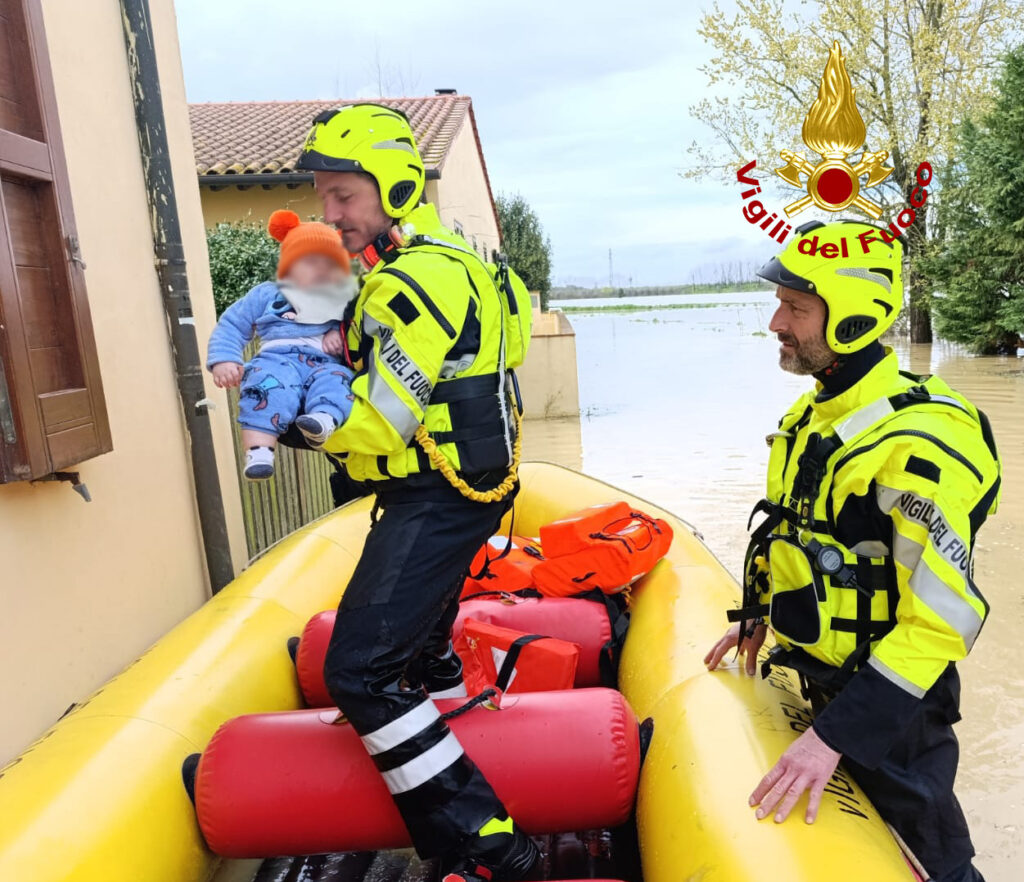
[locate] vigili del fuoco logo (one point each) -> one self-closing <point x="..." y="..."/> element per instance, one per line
<point x="835" y="130"/>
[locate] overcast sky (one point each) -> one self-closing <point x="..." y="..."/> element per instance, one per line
<point x="583" y="112"/>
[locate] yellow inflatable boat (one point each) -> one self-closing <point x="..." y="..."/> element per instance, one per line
<point x="99" y="798"/>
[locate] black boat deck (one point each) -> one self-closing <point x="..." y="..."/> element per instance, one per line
<point x="597" y="854"/>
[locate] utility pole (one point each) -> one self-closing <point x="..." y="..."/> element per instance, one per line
<point x="610" y="283"/>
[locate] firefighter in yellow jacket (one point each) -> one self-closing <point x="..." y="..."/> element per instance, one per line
<point x="878" y="482"/>
<point x="434" y="430"/>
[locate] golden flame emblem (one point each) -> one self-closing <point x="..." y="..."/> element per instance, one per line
<point x="834" y="129"/>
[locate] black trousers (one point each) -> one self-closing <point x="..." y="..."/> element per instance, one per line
<point x="913" y="786"/>
<point x="394" y="624"/>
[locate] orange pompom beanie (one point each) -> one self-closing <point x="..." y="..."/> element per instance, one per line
<point x="299" y="239"/>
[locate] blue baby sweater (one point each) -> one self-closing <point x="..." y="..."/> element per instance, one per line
<point x="260" y="312"/>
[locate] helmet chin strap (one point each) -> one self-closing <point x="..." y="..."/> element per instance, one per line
<point x="385" y="246"/>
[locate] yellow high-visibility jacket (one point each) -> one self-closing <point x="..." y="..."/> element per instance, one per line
<point x="429" y="343"/>
<point x="874" y="499"/>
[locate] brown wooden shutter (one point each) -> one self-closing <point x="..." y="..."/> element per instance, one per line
<point x="52" y="412"/>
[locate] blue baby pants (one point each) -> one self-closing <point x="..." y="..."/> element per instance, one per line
<point x="280" y="384"/>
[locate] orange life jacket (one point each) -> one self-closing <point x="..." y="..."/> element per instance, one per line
<point x="514" y="661"/>
<point x="590" y="625"/>
<point x="607" y="547"/>
<point x="573" y="532"/>
<point x="495" y="570"/>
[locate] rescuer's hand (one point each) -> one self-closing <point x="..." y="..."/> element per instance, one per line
<point x="227" y="374"/>
<point x="808" y="764"/>
<point x="751" y="647"/>
<point x="333" y="344"/>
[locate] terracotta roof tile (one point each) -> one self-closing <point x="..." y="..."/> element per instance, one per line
<point x="265" y="137"/>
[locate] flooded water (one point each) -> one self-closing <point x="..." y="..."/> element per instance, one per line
<point x="675" y="404"/>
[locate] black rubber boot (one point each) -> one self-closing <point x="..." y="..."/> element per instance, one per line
<point x="499" y="852"/>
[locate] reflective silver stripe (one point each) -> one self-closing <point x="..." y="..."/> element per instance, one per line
<point x="867" y="275"/>
<point x="455" y="692"/>
<point x="421" y="769"/>
<point x="896" y="679"/>
<point x="392" y="734"/>
<point x="943" y="599"/>
<point x="387" y="402"/>
<point x="399" y="363"/>
<point x="946" y="399"/>
<point x="394" y="145"/>
<point x="949" y="545"/>
<point x="863" y="419"/>
<point x="441" y="243"/>
<point x="380" y="394"/>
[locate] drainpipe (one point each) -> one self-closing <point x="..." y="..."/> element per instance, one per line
<point x="170" y="267"/>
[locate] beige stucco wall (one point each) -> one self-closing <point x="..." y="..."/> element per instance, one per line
<point x="256" y="204"/>
<point x="87" y="587"/>
<point x="462" y="197"/>
<point x="548" y="378"/>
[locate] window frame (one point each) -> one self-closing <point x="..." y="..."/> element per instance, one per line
<point x="59" y="428"/>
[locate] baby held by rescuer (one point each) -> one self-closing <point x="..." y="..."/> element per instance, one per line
<point x="298" y="375"/>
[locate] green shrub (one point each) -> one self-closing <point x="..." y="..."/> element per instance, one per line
<point x="241" y="256"/>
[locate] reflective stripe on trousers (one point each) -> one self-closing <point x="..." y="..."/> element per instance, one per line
<point x="391" y="638"/>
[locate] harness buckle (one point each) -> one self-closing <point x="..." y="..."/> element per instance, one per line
<point x="918" y="393"/>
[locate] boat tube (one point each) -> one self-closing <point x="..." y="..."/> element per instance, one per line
<point x="99" y="798"/>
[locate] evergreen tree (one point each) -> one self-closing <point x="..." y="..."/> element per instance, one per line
<point x="977" y="264"/>
<point x="523" y="240"/>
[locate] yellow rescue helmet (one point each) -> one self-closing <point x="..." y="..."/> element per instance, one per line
<point x="369" y="138"/>
<point x="855" y="267"/>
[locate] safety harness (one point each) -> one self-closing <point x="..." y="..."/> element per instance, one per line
<point x="828" y="560"/>
<point x="501" y="385"/>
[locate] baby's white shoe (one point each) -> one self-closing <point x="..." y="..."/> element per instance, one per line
<point x="259" y="463"/>
<point x="316" y="427"/>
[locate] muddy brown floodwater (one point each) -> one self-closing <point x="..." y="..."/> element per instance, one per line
<point x="675" y="406"/>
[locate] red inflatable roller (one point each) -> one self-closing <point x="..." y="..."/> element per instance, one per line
<point x="309" y="658"/>
<point x="300" y="783"/>
<point x="575" y="620"/>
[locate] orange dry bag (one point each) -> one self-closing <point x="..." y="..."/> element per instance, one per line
<point x="503" y="565"/>
<point x="514" y="661"/>
<point x="607" y="547"/>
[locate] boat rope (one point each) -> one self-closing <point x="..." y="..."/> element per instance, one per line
<point x="489" y="693"/>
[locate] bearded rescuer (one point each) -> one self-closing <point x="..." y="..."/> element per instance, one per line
<point x="878" y="482"/>
<point x="434" y="431"/>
